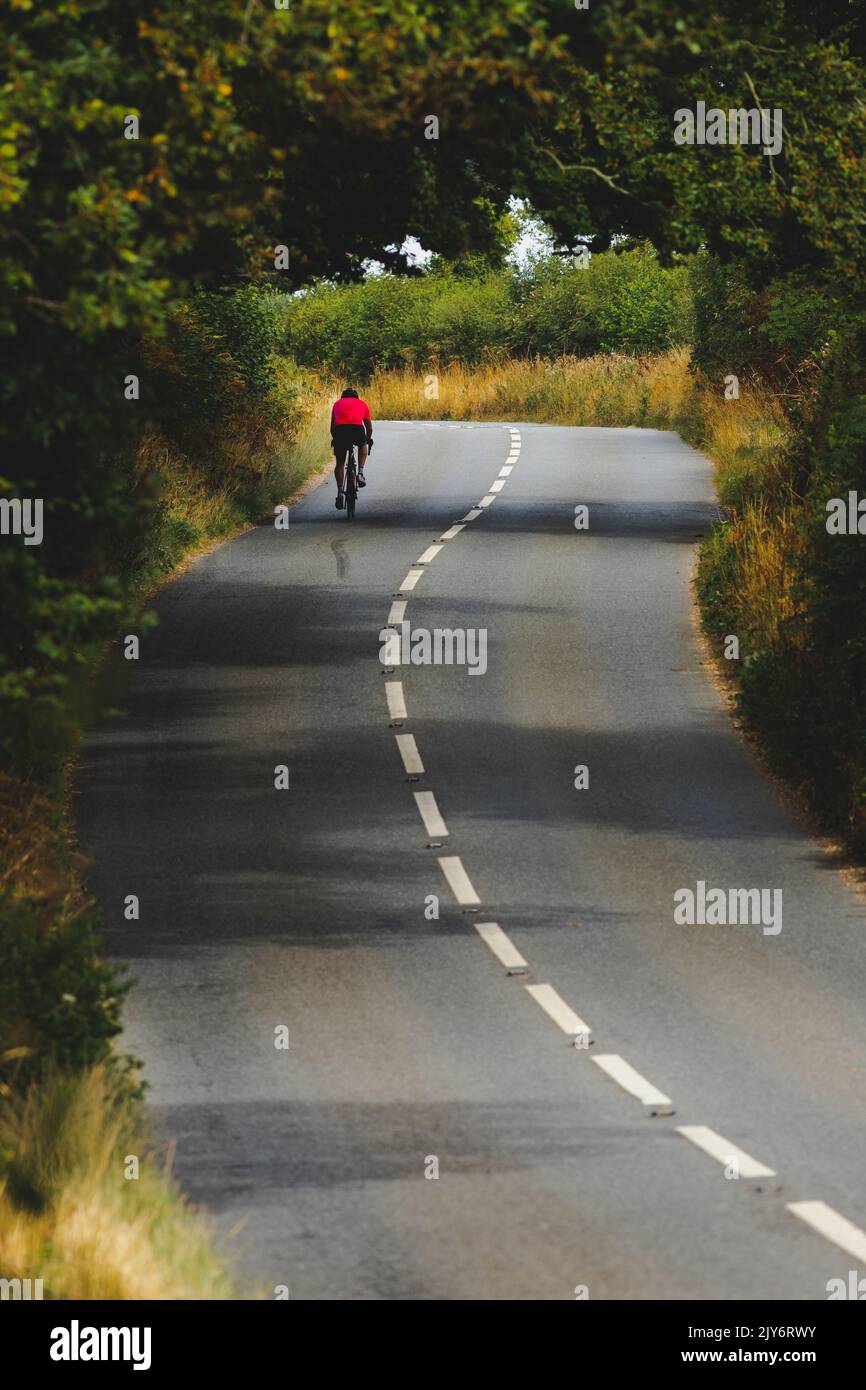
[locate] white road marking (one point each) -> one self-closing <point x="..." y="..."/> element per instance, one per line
<point x="620" y="1071"/>
<point x="485" y="501"/>
<point x="470" y="516"/>
<point x="409" y="753"/>
<point x="498" y="485"/>
<point x="396" y="702"/>
<point x="501" y="946"/>
<point x="513" y="429"/>
<point x="411" y="579"/>
<point x="836" y="1228"/>
<point x="556" y="1008"/>
<point x="452" y="532"/>
<point x="433" y="822"/>
<point x="398" y="609"/>
<point x="505" y="472"/>
<point x="429" y="554"/>
<point x="719" y="1148"/>
<point x="458" y="881"/>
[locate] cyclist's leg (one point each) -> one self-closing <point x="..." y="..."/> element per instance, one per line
<point x="341" y="448"/>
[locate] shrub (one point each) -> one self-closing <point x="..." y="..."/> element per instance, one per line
<point x="468" y="313"/>
<point x="59" y="1005"/>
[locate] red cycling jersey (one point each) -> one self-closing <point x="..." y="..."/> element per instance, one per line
<point x="350" y="410"/>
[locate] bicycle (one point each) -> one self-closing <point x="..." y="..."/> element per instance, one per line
<point x="351" y="484"/>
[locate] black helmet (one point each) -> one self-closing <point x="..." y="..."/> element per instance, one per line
<point x="350" y="391"/>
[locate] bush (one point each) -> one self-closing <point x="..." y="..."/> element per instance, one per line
<point x="470" y="314"/>
<point x="726" y="316"/>
<point x="59" y="1005"/>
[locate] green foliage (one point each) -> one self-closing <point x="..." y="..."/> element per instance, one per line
<point x="727" y="337"/>
<point x="59" y="1005"/>
<point x="215" y="360"/>
<point x="804" y="316"/>
<point x="392" y="322"/>
<point x="622" y="302"/>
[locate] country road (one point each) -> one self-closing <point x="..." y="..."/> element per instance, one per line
<point x="410" y="1043"/>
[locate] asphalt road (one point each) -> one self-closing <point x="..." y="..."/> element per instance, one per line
<point x="309" y="908"/>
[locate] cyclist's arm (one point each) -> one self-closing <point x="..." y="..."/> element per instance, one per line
<point x="368" y="424"/>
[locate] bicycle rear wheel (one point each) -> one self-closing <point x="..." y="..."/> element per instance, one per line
<point x="351" y="486"/>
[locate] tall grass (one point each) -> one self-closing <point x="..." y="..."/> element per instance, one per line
<point x="608" y="389"/>
<point x="72" y="1214"/>
<point x="605" y="389"/>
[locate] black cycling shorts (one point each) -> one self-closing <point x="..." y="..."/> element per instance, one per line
<point x="345" y="436"/>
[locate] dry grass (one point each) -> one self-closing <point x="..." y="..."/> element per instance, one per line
<point x="599" y="390"/>
<point x="34" y="855"/>
<point x="767" y="546"/>
<point x="744" y="437"/>
<point x="86" y="1229"/>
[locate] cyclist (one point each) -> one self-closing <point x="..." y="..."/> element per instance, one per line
<point x="350" y="424"/>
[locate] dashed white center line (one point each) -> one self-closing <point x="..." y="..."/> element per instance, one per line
<point x="620" y="1071"/>
<point x="556" y="1008"/>
<point x="505" y="471"/>
<point x="485" y="501"/>
<point x="398" y="610"/>
<point x="719" y="1148"/>
<point x="411" y="579"/>
<point x="429" y="554"/>
<point x="409" y="753"/>
<point x="396" y="702"/>
<point x="433" y="822"/>
<point x="835" y="1227"/>
<point x="498" y="485"/>
<point x="452" y="532"/>
<point x="502" y="947"/>
<point x="470" y="516"/>
<point x="458" y="881"/>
